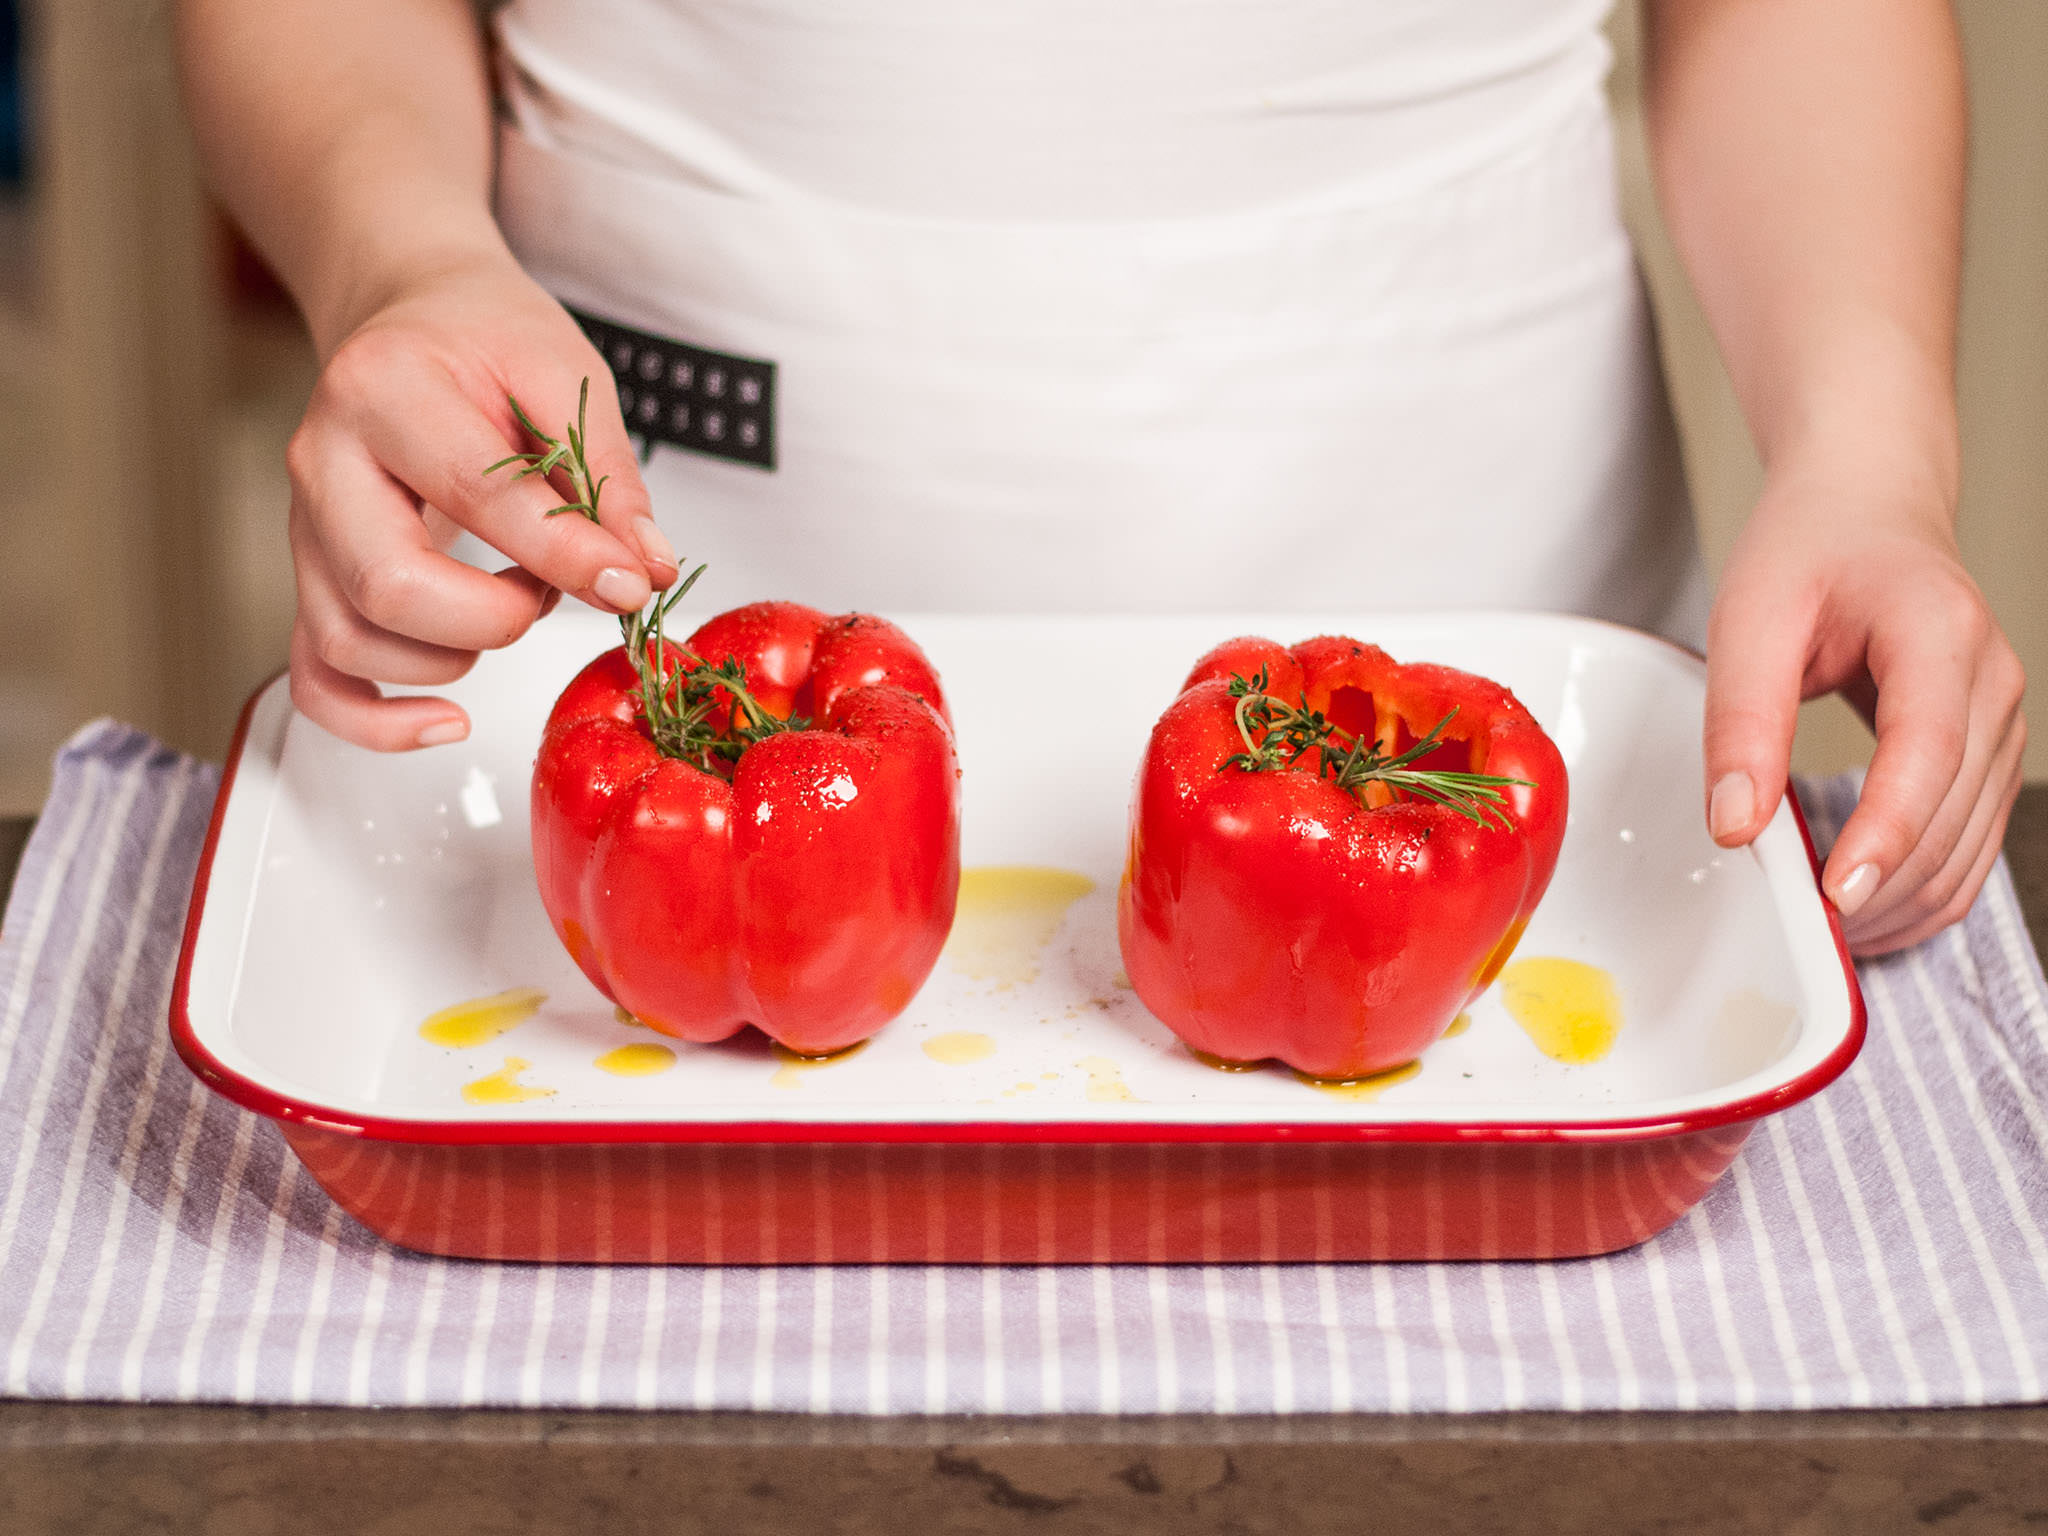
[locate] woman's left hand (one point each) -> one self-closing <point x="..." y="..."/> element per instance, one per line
<point x="1850" y="580"/>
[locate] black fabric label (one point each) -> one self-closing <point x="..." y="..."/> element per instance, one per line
<point x="689" y="397"/>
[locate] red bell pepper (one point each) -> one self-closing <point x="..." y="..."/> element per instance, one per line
<point x="795" y="874"/>
<point x="1331" y="853"/>
<point x="759" y="827"/>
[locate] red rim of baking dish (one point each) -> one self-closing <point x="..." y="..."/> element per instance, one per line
<point x="252" y="1095"/>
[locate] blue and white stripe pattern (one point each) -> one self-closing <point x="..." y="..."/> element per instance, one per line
<point x="1880" y="1245"/>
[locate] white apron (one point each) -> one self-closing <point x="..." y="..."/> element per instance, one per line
<point x="1397" y="356"/>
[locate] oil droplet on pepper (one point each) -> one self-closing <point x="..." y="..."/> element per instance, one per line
<point x="793" y="1066"/>
<point x="1006" y="916"/>
<point x="1570" y="1009"/>
<point x="503" y="1086"/>
<point x="481" y="1020"/>
<point x="1362" y="1087"/>
<point x="960" y="1048"/>
<point x="636" y="1060"/>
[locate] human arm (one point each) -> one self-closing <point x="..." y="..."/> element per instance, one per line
<point x="1809" y="157"/>
<point x="353" y="143"/>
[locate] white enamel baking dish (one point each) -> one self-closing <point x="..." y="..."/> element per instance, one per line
<point x="345" y="897"/>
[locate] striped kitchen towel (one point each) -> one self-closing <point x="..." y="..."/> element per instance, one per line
<point x="1881" y="1244"/>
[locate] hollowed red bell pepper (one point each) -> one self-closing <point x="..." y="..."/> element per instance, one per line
<point x="801" y="880"/>
<point x="1303" y="883"/>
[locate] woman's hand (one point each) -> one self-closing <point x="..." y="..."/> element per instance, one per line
<point x="1809" y="155"/>
<point x="353" y="143"/>
<point x="409" y="411"/>
<point x="1849" y="580"/>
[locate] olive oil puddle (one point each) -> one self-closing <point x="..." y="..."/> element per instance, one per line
<point x="960" y="1048"/>
<point x="1338" y="1087"/>
<point x="644" y="1060"/>
<point x="1370" y="1087"/>
<point x="1571" y="1010"/>
<point x="1006" y="916"/>
<point x="794" y="1068"/>
<point x="503" y="1086"/>
<point x="1106" y="1083"/>
<point x="480" y="1020"/>
<point x="1361" y="1088"/>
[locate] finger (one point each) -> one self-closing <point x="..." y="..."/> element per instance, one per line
<point x="1756" y="662"/>
<point x="350" y="643"/>
<point x="1906" y="938"/>
<point x="624" y="506"/>
<point x="1987" y="752"/>
<point x="354" y="710"/>
<point x="1925" y="684"/>
<point x="1947" y="893"/>
<point x="376" y="547"/>
<point x="439" y="445"/>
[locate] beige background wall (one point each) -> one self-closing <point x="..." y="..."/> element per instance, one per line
<point x="142" y="561"/>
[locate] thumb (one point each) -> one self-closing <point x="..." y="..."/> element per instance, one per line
<point x="1756" y="663"/>
<point x="555" y="401"/>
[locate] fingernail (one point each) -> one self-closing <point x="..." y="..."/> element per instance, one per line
<point x="1731" y="806"/>
<point x="441" y="732"/>
<point x="653" y="545"/>
<point x="619" y="589"/>
<point x="1855" y="890"/>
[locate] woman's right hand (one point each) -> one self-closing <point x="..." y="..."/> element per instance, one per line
<point x="410" y="409"/>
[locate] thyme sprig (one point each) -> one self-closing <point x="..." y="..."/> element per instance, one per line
<point x="679" y="691"/>
<point x="1278" y="735"/>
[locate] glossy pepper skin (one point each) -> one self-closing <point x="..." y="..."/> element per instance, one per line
<point x="806" y="889"/>
<point x="1275" y="915"/>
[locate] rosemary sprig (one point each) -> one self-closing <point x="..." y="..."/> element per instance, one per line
<point x="1277" y="735"/>
<point x="678" y="689"/>
<point x="679" y="697"/>
<point x="555" y="454"/>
